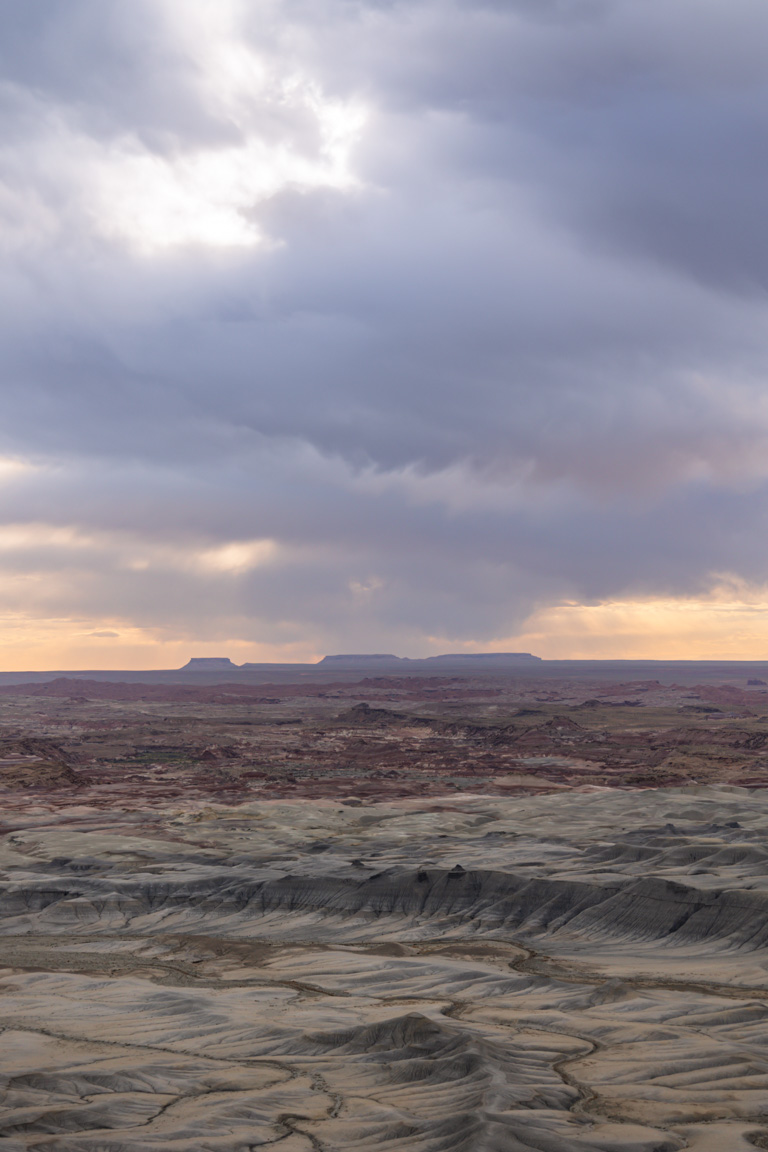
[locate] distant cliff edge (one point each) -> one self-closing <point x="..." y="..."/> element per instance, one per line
<point x="359" y="660"/>
<point x="365" y="660"/>
<point x="210" y="664"/>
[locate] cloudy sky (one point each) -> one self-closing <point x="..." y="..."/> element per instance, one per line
<point x="382" y="325"/>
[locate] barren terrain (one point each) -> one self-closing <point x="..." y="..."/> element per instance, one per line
<point x="428" y="915"/>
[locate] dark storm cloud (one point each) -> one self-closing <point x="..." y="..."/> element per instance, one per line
<point x="521" y="359"/>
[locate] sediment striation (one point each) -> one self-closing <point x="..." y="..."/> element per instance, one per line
<point x="575" y="971"/>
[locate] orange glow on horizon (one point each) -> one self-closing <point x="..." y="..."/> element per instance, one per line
<point x="729" y="627"/>
<point x="730" y="624"/>
<point x="75" y="646"/>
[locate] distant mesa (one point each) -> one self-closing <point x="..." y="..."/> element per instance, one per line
<point x="486" y="657"/>
<point x="210" y="664"/>
<point x="366" y="659"/>
<point x="362" y="658"/>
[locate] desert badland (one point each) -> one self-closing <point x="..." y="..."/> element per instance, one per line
<point x="478" y="913"/>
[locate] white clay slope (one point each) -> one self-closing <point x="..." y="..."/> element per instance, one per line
<point x="576" y="971"/>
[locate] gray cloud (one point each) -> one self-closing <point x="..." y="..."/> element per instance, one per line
<point x="519" y="358"/>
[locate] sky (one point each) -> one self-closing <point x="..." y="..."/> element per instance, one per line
<point x="382" y="325"/>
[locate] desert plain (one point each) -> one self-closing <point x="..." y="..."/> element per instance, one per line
<point x="457" y="913"/>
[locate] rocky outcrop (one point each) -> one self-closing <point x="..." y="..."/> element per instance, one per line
<point x="464" y="901"/>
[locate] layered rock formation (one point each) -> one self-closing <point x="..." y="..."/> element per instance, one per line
<point x="570" y="972"/>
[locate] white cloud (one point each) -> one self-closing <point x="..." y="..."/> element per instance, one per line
<point x="239" y="556"/>
<point x="278" y="130"/>
<point x="211" y="196"/>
